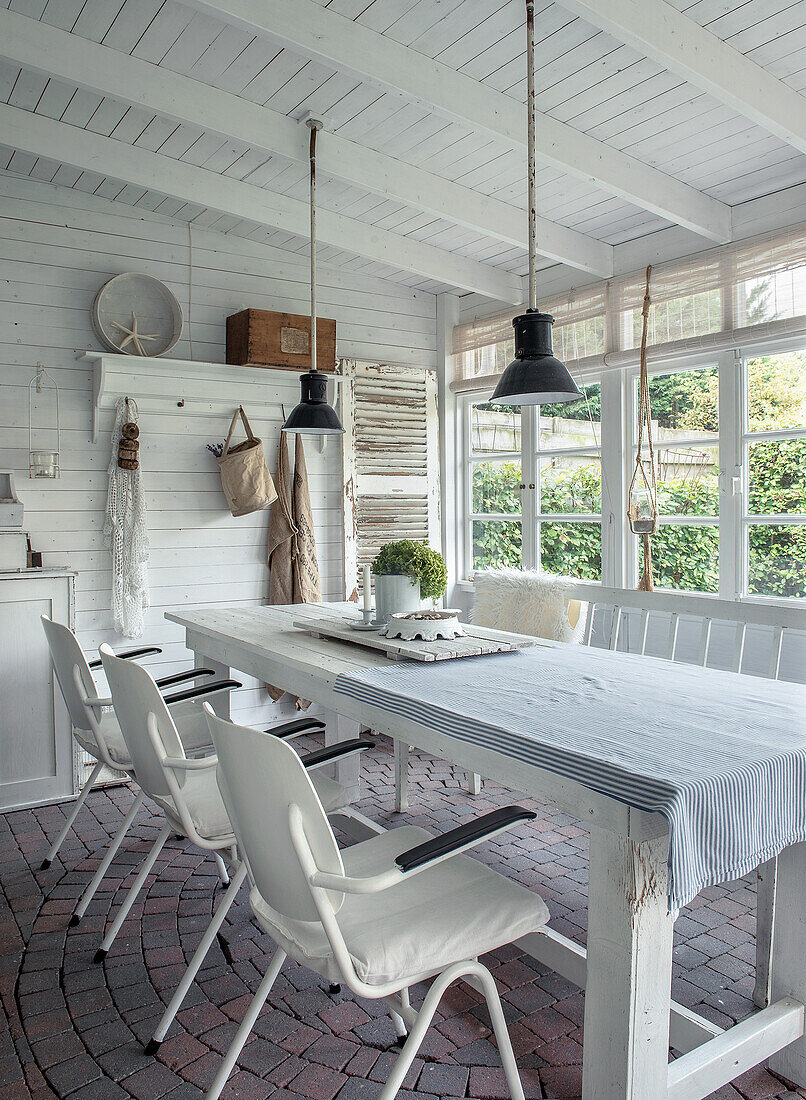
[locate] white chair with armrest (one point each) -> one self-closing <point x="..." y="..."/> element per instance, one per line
<point x="187" y="793"/>
<point x="97" y="731"/>
<point x="397" y="909"/>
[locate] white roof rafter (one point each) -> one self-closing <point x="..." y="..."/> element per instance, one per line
<point x="41" y="136"/>
<point x="76" y="60"/>
<point x="322" y="34"/>
<point x="657" y="30"/>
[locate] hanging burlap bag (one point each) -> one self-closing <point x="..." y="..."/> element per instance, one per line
<point x="245" y="477"/>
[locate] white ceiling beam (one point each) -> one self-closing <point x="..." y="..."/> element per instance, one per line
<point x="319" y="33"/>
<point x="44" y="137"/>
<point x="657" y="30"/>
<point x="75" y="60"/>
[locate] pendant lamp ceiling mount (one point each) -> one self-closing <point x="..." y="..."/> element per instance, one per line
<point x="313" y="415"/>
<point x="535" y="376"/>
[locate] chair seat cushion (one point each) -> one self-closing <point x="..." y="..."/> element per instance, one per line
<point x="206" y="807"/>
<point x="332" y="794"/>
<point x="113" y="739"/>
<point x="191" y="725"/>
<point x="190" y="720"/>
<point x="455" y="911"/>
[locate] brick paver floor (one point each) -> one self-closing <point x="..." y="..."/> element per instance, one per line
<point x="76" y="1029"/>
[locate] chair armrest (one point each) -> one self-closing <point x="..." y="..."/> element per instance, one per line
<point x="96" y="701"/>
<point x="297" y="728"/>
<point x="343" y="749"/>
<point x="181" y="677"/>
<point x="130" y="654"/>
<point x="200" y="692"/>
<point x="425" y="855"/>
<point x="462" y="837"/>
<point x="181" y="763"/>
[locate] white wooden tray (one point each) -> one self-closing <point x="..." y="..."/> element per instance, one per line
<point x="477" y="640"/>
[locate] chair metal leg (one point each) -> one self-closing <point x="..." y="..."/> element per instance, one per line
<point x="79" y="802"/>
<point x="401" y="1031"/>
<point x="111" y="851"/>
<point x="480" y="978"/>
<point x="195" y="963"/>
<point x="128" y="901"/>
<point x="765" y="913"/>
<point x="417" y="1033"/>
<point x="223" y="873"/>
<point x="501" y="1033"/>
<point x="247" y="1024"/>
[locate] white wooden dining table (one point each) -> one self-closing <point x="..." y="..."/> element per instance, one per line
<point x="630" y="1019"/>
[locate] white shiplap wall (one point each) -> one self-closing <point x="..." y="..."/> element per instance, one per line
<point x="56" y="249"/>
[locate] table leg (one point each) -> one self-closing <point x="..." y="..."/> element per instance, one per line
<point x="401" y="750"/>
<point x="338" y="728"/>
<point x="765" y="910"/>
<point x="788" y="976"/>
<point x="628" y="992"/>
<point x="220" y="702"/>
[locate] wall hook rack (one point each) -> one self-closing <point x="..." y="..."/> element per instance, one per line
<point x="161" y="385"/>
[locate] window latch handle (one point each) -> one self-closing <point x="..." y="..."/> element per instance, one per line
<point x="731" y="483"/>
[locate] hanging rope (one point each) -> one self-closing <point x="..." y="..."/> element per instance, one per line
<point x="642" y="500"/>
<point x="315" y="126"/>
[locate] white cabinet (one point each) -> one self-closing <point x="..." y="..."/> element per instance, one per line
<point x="36" y="739"/>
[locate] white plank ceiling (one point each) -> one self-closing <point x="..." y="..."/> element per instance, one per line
<point x="585" y="78"/>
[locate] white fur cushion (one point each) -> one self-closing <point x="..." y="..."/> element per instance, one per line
<point x="528" y="603"/>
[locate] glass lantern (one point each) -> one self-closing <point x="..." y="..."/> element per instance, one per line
<point x="642" y="512"/>
<point x="42" y="462"/>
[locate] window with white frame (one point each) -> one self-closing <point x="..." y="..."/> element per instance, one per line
<point x="533" y="492"/>
<point x="568" y="487"/>
<point x="731" y="490"/>
<point x="685" y="420"/>
<point x="773" y="543"/>
<point x="727" y="361"/>
<point x="493" y="499"/>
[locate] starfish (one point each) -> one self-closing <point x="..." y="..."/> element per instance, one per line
<point x="131" y="335"/>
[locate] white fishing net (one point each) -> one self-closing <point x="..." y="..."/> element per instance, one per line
<point x="126" y="535"/>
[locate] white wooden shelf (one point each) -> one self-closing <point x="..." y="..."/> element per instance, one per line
<point x="171" y="385"/>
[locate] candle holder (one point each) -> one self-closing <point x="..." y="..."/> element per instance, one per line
<point x="42" y="462"/>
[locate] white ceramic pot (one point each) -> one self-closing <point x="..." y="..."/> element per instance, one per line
<point x="394" y="595"/>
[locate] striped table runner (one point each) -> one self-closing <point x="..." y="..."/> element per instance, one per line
<point x="721" y="756"/>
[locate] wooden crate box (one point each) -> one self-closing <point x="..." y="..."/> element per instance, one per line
<point x="262" y="338"/>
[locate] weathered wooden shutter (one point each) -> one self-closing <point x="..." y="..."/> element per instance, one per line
<point x="390" y="461"/>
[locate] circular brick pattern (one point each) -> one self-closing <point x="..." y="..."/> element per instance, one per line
<point x="77" y="1029"/>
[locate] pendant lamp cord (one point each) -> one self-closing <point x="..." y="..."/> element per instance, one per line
<point x="530" y="104"/>
<point x="315" y="126"/>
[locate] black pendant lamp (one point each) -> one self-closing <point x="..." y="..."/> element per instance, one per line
<point x="313" y="415"/>
<point x="535" y="376"/>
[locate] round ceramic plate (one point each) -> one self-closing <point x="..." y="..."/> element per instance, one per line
<point x="136" y="314"/>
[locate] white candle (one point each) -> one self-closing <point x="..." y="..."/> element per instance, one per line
<point x="367" y="589"/>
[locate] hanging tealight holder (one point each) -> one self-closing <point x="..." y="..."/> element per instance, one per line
<point x="642" y="511"/>
<point x="642" y="498"/>
<point x="42" y="463"/>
